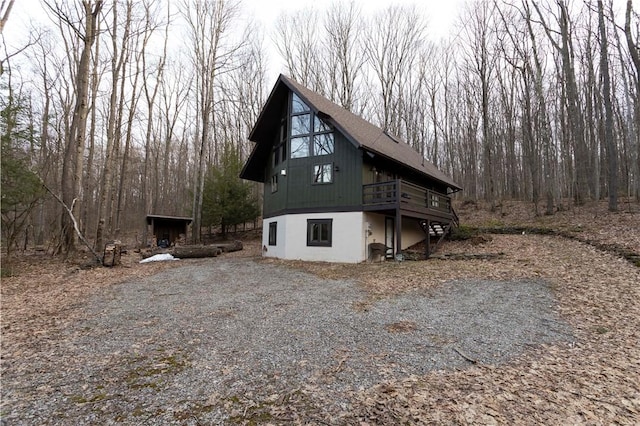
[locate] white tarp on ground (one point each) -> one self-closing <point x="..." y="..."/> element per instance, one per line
<point x="159" y="258"/>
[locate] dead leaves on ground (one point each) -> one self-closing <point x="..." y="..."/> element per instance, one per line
<point x="592" y="381"/>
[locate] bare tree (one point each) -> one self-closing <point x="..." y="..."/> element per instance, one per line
<point x="634" y="51"/>
<point x="296" y="40"/>
<point x="72" y="169"/>
<point x="478" y="31"/>
<point x="120" y="54"/>
<point x="345" y="60"/>
<point x="5" y="10"/>
<point x="89" y="181"/>
<point x="574" y="112"/>
<point x="175" y="89"/>
<point x="209" y="25"/>
<point x="150" y="96"/>
<point x="612" y="154"/>
<point x="391" y="55"/>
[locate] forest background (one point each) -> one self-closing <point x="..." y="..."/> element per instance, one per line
<point x="117" y="109"/>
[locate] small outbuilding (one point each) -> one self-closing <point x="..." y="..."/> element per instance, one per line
<point x="167" y="229"/>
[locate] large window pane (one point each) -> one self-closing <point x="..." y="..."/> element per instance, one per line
<point x="300" y="147"/>
<point x="300" y="124"/>
<point x="319" y="125"/>
<point x="297" y="105"/>
<point x="323" y="144"/>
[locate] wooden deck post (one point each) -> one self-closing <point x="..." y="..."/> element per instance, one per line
<point x="398" y="233"/>
<point x="428" y="240"/>
<point x="398" y="219"/>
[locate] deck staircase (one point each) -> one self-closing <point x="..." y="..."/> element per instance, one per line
<point x="437" y="230"/>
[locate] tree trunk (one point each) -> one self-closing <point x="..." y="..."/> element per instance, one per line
<point x="574" y="114"/>
<point x="73" y="159"/>
<point x="150" y="97"/>
<point x="609" y="142"/>
<point x="635" y="57"/>
<point x="112" y="133"/>
<point x="84" y="220"/>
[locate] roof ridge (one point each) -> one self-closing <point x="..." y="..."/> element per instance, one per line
<point x="364" y="134"/>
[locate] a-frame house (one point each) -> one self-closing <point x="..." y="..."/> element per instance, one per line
<point x="337" y="186"/>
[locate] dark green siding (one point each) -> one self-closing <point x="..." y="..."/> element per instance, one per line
<point x="275" y="201"/>
<point x="296" y="190"/>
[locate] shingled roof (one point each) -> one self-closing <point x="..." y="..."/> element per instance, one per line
<point x="357" y="130"/>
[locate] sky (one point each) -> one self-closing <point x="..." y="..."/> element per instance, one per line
<point x="440" y="14"/>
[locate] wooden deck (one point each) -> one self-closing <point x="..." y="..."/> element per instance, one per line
<point x="404" y="199"/>
<point x="410" y="199"/>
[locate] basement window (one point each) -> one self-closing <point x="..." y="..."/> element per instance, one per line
<point x="319" y="232"/>
<point x="273" y="233"/>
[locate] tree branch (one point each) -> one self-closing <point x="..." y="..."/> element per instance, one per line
<point x="75" y="222"/>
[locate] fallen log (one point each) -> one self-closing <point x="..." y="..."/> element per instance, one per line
<point x="196" y="251"/>
<point x="190" y="252"/>
<point x="229" y="247"/>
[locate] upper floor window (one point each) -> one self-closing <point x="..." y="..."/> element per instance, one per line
<point x="323" y="144"/>
<point x="323" y="173"/>
<point x="309" y="135"/>
<point x="297" y="105"/>
<point x="300" y="147"/>
<point x="300" y="124"/>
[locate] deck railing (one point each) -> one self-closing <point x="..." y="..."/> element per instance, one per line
<point x="407" y="197"/>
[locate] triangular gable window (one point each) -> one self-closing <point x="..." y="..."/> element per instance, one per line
<point x="320" y="126"/>
<point x="310" y="136"/>
<point x="297" y="106"/>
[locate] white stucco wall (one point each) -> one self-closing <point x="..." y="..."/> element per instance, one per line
<point x="411" y="232"/>
<point x="376" y="222"/>
<point x="347" y="246"/>
<point x="278" y="249"/>
<point x="349" y="237"/>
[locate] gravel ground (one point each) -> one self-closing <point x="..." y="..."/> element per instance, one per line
<point x="191" y="344"/>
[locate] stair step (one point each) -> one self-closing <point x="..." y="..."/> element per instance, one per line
<point x="436" y="229"/>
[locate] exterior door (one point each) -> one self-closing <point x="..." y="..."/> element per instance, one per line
<point x="389" y="236"/>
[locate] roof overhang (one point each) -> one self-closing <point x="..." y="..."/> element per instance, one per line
<point x="364" y="135"/>
<point x="178" y="219"/>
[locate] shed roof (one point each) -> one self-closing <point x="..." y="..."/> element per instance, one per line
<point x="361" y="133"/>
<point x="150" y="217"/>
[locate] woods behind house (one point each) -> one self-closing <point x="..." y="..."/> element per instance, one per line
<point x="124" y="108"/>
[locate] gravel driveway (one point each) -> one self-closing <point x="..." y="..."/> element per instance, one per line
<point x="192" y="344"/>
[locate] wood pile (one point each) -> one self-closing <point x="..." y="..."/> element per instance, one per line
<point x="112" y="253"/>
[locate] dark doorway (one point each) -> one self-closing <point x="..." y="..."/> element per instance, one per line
<point x="389" y="236"/>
